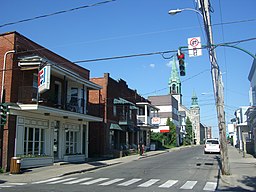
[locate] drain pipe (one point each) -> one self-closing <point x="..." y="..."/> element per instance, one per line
<point x="3" y="73"/>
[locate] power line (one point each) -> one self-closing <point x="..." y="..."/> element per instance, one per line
<point x="56" y="13"/>
<point x="126" y="56"/>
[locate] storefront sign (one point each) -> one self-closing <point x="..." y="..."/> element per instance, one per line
<point x="44" y="79"/>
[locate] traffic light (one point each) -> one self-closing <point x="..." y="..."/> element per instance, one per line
<point x="4" y="110"/>
<point x="181" y="58"/>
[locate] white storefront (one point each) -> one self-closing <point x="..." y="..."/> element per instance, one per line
<point x="45" y="135"/>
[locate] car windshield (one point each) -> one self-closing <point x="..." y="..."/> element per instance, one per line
<point x="212" y="142"/>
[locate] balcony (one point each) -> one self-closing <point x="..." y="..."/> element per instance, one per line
<point x="145" y="121"/>
<point x="28" y="95"/>
<point x="125" y="120"/>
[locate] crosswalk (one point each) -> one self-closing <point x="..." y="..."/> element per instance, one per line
<point x="122" y="182"/>
<point x="125" y="182"/>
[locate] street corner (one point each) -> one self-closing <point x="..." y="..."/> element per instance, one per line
<point x="228" y="180"/>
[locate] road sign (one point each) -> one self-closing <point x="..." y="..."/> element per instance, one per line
<point x="194" y="46"/>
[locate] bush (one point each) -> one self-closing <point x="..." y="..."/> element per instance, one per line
<point x="1" y="170"/>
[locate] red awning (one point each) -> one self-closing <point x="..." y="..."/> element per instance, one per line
<point x="164" y="131"/>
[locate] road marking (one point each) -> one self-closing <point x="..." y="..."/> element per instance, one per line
<point x="5" y="186"/>
<point x="149" y="183"/>
<point x="48" y="180"/>
<point x="188" y="185"/>
<point x="112" y="181"/>
<point x="17" y="183"/>
<point x="210" y="186"/>
<point x="129" y="182"/>
<point x="77" y="181"/>
<point x="61" y="181"/>
<point x="94" y="181"/>
<point x="168" y="183"/>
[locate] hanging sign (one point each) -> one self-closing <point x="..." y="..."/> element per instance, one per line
<point x="194" y="47"/>
<point x="44" y="79"/>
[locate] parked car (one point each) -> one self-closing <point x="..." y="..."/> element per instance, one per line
<point x="212" y="146"/>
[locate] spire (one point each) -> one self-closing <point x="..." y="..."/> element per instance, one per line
<point x="194" y="101"/>
<point x="174" y="81"/>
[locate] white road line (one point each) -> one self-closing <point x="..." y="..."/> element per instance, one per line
<point x="129" y="182"/>
<point x="112" y="181"/>
<point x="94" y="181"/>
<point x="17" y="183"/>
<point x="188" y="185"/>
<point x="210" y="186"/>
<point x="149" y="183"/>
<point x="61" y="181"/>
<point x="168" y="183"/>
<point x="48" y="180"/>
<point x="5" y="186"/>
<point x="77" y="181"/>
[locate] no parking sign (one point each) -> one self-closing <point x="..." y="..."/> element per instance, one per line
<point x="194" y="46"/>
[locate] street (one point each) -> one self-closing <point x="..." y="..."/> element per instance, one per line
<point x="185" y="169"/>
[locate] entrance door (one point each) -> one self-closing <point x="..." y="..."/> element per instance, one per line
<point x="56" y="141"/>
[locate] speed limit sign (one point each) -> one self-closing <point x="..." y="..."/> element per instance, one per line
<point x="194" y="47"/>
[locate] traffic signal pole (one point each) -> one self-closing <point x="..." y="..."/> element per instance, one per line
<point x="217" y="87"/>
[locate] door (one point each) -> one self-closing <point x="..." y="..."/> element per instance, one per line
<point x="56" y="141"/>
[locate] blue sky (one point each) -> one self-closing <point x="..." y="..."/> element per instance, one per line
<point x="126" y="27"/>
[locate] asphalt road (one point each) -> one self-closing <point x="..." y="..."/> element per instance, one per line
<point x="188" y="169"/>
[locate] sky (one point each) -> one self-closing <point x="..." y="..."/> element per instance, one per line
<point x="131" y="27"/>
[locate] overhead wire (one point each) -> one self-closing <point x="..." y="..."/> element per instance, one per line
<point x="56" y="13"/>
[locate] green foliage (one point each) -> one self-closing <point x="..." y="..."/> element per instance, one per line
<point x="189" y="132"/>
<point x="166" y="139"/>
<point x="1" y="170"/>
<point x="172" y="132"/>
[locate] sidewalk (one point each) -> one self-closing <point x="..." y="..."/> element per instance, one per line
<point x="63" y="169"/>
<point x="243" y="172"/>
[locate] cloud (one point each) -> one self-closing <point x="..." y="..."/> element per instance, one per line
<point x="152" y="65"/>
<point x="169" y="64"/>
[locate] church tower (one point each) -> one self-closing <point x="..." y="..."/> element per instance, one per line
<point x="174" y="83"/>
<point x="195" y="118"/>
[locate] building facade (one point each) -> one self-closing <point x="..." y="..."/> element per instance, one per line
<point x="46" y="97"/>
<point x="195" y="119"/>
<point x="126" y="117"/>
<point x="251" y="113"/>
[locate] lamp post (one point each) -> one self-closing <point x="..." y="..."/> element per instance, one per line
<point x="175" y="11"/>
<point x="216" y="80"/>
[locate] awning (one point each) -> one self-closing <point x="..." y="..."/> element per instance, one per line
<point x="114" y="126"/>
<point x="164" y="131"/>
<point x="122" y="101"/>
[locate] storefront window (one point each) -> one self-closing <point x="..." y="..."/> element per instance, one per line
<point x="33" y="141"/>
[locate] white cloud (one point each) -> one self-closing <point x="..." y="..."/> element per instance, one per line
<point x="152" y="65"/>
<point x="169" y="64"/>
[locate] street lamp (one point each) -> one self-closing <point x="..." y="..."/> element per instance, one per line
<point x="175" y="11"/>
<point x="217" y="82"/>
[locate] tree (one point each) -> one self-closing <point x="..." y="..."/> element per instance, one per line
<point x="172" y="132"/>
<point x="189" y="132"/>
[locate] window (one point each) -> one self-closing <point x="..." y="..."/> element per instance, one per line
<point x="114" y="110"/>
<point x="33" y="141"/>
<point x="35" y="80"/>
<point x="71" y="142"/>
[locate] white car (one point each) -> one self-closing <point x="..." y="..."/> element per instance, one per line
<point x="212" y="146"/>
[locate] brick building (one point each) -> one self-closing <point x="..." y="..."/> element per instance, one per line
<point x="47" y="104"/>
<point x="120" y="107"/>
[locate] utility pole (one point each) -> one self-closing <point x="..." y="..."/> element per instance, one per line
<point x="217" y="86"/>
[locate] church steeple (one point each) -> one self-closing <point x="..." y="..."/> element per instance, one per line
<point x="194" y="101"/>
<point x="174" y="80"/>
